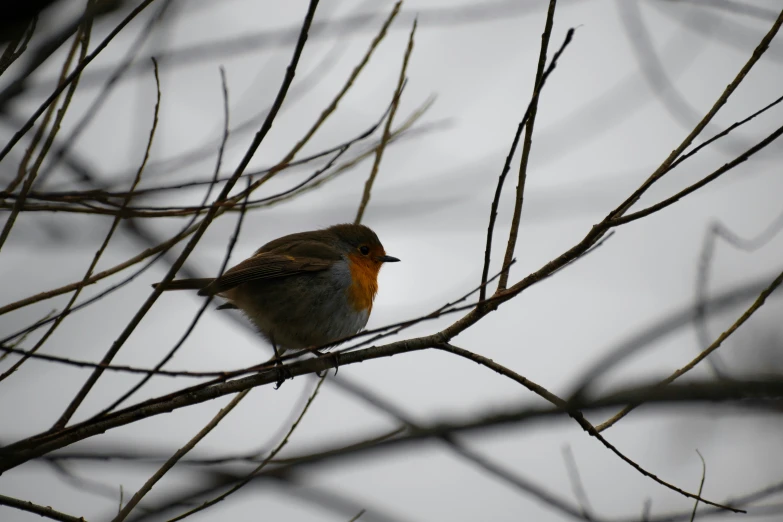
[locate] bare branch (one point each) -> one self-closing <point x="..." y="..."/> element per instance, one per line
<point x="528" y="142"/>
<point x="701" y="484"/>
<point x="386" y="129"/>
<point x="42" y="511"/>
<point x="493" y="213"/>
<point x="668" y="163"/>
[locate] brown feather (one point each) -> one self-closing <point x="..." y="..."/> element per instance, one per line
<point x="265" y="266"/>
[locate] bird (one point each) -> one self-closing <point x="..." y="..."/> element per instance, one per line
<point x="303" y="290"/>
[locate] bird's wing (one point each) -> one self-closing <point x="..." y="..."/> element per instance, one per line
<point x="265" y="266"/>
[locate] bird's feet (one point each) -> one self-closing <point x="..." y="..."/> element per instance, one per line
<point x="283" y="373"/>
<point x="335" y="363"/>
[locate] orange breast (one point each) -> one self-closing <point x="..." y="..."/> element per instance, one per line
<point x="364" y="276"/>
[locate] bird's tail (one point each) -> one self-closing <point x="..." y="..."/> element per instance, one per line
<point x="186" y="284"/>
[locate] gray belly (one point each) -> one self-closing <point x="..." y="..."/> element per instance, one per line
<point x="300" y="311"/>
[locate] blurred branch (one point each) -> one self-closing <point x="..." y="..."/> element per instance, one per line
<point x="328" y="500"/>
<point x="70" y="78"/>
<point x="652" y="68"/>
<point x="509" y="477"/>
<point x="696" y="393"/>
<point x="566" y="408"/>
<point x="679" y="318"/>
<point x="15" y="454"/>
<point x="88" y="114"/>
<point x="460" y="449"/>
<point x="263" y="464"/>
<point x="131" y="455"/>
<point x="576" y="482"/>
<point x="671" y="378"/>
<point x="358" y="516"/>
<point x="125" y="511"/>
<point x="30" y="176"/>
<point x="731" y="6"/>
<point x="238" y="45"/>
<point x="17" y="44"/>
<point x="715" y="231"/>
<point x="13" y="347"/>
<point x="734" y="34"/>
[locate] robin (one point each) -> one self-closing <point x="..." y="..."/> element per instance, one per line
<point x="305" y="289"/>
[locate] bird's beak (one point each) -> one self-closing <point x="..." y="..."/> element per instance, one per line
<point x="387" y="259"/>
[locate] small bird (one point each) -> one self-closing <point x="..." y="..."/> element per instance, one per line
<point x="303" y="290"/>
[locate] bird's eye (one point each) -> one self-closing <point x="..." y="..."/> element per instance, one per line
<point x="364" y="250"/>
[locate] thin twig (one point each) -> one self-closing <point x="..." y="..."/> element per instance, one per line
<point x="621" y="220"/>
<point x="726" y="131"/>
<point x="493" y="213"/>
<point x="701" y="484"/>
<point x="189" y="330"/>
<point x="13" y="348"/>
<point x="574" y="413"/>
<point x="263" y="464"/>
<point x="42" y="511"/>
<point x="386" y="129"/>
<point x="136" y="498"/>
<point x="333" y="105"/>
<point x="254" y="457"/>
<point x="528" y="142"/>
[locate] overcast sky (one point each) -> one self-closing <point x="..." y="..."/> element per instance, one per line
<point x="636" y="78"/>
